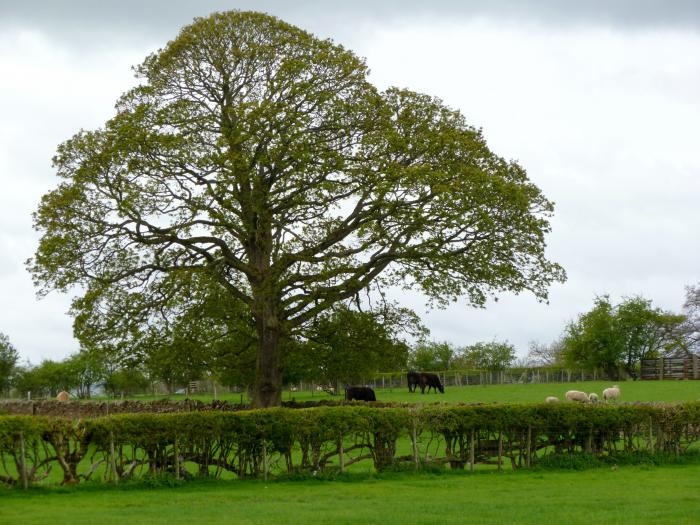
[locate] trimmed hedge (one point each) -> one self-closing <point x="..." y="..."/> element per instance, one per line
<point x="262" y="443"/>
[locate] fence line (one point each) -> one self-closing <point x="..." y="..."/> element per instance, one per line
<point x="454" y="378"/>
<point x="671" y="368"/>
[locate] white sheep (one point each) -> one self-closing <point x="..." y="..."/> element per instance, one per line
<point x="551" y="399"/>
<point x="63" y="396"/>
<point x="611" y="393"/>
<point x="576" y="395"/>
<point x="593" y="397"/>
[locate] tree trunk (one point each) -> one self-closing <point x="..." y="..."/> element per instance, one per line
<point x="267" y="391"/>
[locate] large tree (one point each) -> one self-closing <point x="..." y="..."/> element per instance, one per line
<point x="261" y="155"/>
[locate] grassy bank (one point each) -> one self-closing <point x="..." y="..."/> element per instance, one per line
<point x="665" y="494"/>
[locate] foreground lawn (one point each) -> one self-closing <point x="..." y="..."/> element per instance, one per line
<point x="668" y="391"/>
<point x="667" y="494"/>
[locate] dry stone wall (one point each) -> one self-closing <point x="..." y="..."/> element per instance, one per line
<point x="89" y="409"/>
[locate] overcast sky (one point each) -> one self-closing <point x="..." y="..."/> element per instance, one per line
<point x="599" y="101"/>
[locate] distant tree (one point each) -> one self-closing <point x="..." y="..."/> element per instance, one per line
<point x="493" y="355"/>
<point x="612" y="337"/>
<point x="691" y="327"/>
<point x="87" y="368"/>
<point x="646" y="331"/>
<point x="126" y="381"/>
<point x="347" y="346"/>
<point x="432" y="355"/>
<point x="27" y="381"/>
<point x="175" y="362"/>
<point x="540" y="354"/>
<point x="261" y="155"/>
<point x="8" y="363"/>
<point x="593" y="341"/>
<point x="47" y="379"/>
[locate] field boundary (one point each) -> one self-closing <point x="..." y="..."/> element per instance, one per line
<point x="266" y="443"/>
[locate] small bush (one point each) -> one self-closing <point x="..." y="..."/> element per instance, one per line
<point x="160" y="481"/>
<point x="578" y="461"/>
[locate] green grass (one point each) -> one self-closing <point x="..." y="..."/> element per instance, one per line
<point x="665" y="494"/>
<point x="668" y="391"/>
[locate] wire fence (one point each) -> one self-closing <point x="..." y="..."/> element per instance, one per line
<point x="456" y="378"/>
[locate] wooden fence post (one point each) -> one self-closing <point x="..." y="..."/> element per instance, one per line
<point x="472" y="446"/>
<point x="176" y="451"/>
<point x="112" y="458"/>
<point x="528" y="460"/>
<point x="661" y="368"/>
<point x="414" y="442"/>
<point x="500" y="450"/>
<point x="264" y="451"/>
<point x="341" y="454"/>
<point x="696" y="367"/>
<point x="22" y="464"/>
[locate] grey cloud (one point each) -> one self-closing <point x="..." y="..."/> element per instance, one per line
<point x="86" y="20"/>
<point x="604" y="120"/>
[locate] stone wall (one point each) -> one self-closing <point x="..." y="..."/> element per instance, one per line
<point x="81" y="409"/>
<point x="78" y="409"/>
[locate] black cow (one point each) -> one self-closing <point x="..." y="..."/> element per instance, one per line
<point x="413" y="379"/>
<point x="431" y="381"/>
<point x="360" y="393"/>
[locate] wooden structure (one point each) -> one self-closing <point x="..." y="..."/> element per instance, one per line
<point x="684" y="367"/>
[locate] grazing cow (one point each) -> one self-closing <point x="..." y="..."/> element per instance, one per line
<point x="360" y="393"/>
<point x="63" y="396"/>
<point x="413" y="379"/>
<point x="431" y="381"/>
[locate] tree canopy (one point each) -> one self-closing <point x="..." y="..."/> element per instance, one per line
<point x="345" y="346"/>
<point x="613" y="337"/>
<point x="492" y="355"/>
<point x="432" y="356"/>
<point x="260" y="155"/>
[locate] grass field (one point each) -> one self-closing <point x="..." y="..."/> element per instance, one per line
<point x="629" y="494"/>
<point x="668" y="391"/>
<point x="667" y="494"/>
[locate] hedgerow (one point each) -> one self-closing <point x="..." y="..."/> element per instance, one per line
<point x="283" y="441"/>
